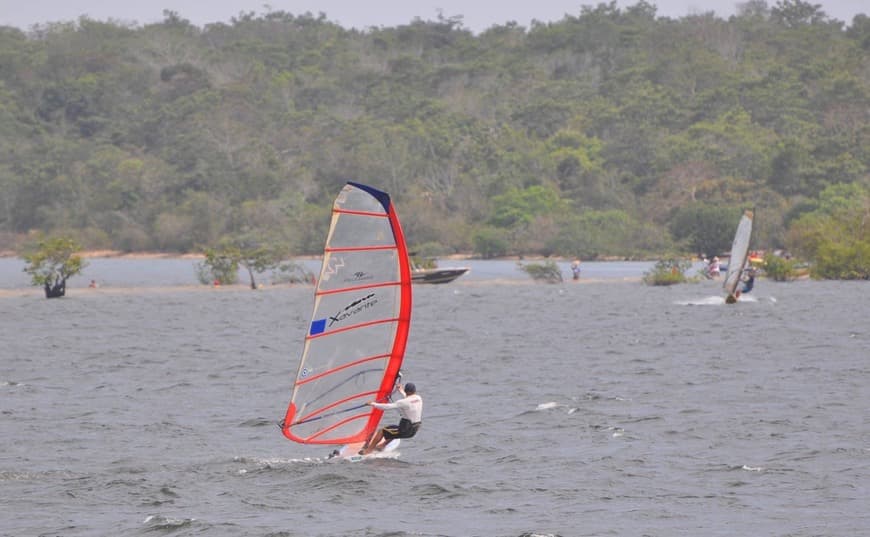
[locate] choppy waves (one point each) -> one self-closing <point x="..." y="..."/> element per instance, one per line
<point x="606" y="409"/>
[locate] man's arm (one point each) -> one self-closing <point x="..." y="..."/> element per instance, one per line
<point x="383" y="406"/>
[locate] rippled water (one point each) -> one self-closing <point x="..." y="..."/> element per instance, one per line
<point x="607" y="408"/>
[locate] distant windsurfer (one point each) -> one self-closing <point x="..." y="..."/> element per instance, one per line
<point x="748" y="284"/>
<point x="410" y="409"/>
<point x="749" y="281"/>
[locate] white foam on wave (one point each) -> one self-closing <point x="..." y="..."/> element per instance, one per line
<point x="716" y="301"/>
<point x="165" y="522"/>
<point x="551" y="405"/>
<point x="707" y="301"/>
<point x="274" y="462"/>
<point x="11" y="383"/>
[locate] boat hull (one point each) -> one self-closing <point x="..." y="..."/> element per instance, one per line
<point x="445" y="275"/>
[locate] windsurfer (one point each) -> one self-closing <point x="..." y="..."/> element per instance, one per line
<point x="575" y="268"/>
<point x="410" y="409"/>
<point x="749" y="281"/>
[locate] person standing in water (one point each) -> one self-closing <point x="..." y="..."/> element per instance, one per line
<point x="713" y="268"/>
<point x="575" y="268"/>
<point x="410" y="409"/>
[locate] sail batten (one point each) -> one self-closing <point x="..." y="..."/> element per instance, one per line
<point x="360" y="213"/>
<point x="357" y="336"/>
<point x="325" y="411"/>
<point x="357" y="288"/>
<point x="360" y="248"/>
<point x="345" y="366"/>
<point x="349" y="328"/>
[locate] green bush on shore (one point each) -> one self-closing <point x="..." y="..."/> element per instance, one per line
<point x="667" y="272"/>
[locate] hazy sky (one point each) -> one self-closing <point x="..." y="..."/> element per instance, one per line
<point x="477" y="14"/>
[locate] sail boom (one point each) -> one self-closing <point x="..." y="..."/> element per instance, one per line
<point x="320" y="412"/>
<point x="360" y="213"/>
<point x="343" y="366"/>
<point x="341" y="423"/>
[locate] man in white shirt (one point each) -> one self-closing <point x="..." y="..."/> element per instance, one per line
<point x="410" y="409"/>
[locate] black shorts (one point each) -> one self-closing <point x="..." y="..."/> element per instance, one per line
<point x="405" y="429"/>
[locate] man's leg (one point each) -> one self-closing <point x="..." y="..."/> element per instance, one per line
<point x="368" y="442"/>
<point x="372" y="444"/>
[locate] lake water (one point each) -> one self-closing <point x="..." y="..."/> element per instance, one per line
<point x="582" y="409"/>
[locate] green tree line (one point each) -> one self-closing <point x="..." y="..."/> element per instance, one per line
<point x="612" y="132"/>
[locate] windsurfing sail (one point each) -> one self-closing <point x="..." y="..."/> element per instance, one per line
<point x="362" y="315"/>
<point x="739" y="255"/>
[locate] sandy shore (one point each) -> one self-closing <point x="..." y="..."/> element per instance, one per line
<point x="78" y="290"/>
<point x="138" y="255"/>
<point x="239" y="287"/>
<point x="146" y="289"/>
<point x="119" y="254"/>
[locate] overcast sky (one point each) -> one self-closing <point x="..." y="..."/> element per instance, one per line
<point x="477" y="14"/>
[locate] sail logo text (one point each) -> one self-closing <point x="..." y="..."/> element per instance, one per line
<point x="359" y="276"/>
<point x="353" y="308"/>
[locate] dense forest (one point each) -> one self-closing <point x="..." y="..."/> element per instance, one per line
<point x="613" y="132"/>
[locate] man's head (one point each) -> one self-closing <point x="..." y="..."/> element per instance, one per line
<point x="410" y="388"/>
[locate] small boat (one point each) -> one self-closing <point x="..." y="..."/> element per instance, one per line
<point x="428" y="272"/>
<point x="437" y="275"/>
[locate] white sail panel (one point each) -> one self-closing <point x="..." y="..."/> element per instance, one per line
<point x="349" y="269"/>
<point x="332" y="389"/>
<point x="342" y="310"/>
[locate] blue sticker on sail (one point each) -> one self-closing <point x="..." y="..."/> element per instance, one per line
<point x="317" y="327"/>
